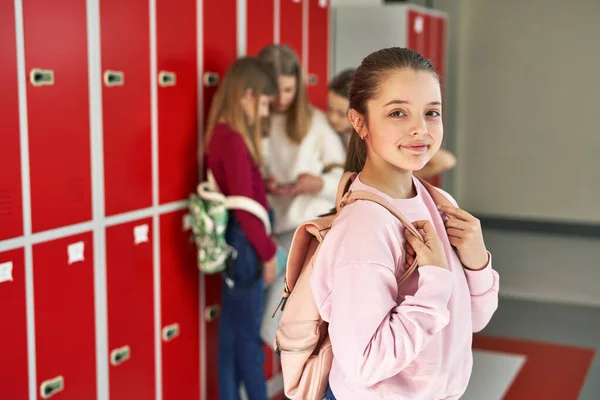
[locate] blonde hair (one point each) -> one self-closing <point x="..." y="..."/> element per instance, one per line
<point x="285" y="62"/>
<point x="245" y="73"/>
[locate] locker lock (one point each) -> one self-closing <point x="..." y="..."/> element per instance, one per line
<point x="52" y="386"/>
<point x="313" y="79"/>
<point x="114" y="78"/>
<point x="212" y="312"/>
<point x="170" y="332"/>
<point x="120" y="355"/>
<point x="210" y="79"/>
<point x="41" y="77"/>
<point x="166" y="78"/>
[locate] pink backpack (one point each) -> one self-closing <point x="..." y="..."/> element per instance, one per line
<point x="302" y="339"/>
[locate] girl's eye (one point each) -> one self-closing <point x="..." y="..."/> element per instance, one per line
<point x="397" y="114"/>
<point x="433" y="113"/>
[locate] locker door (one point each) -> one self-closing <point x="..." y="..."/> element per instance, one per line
<point x="260" y="30"/>
<point x="63" y="279"/>
<point x="290" y="24"/>
<point x="13" y="338"/>
<point x="180" y="311"/>
<point x="318" y="50"/>
<point x="58" y="112"/>
<point x="177" y="99"/>
<point x="219" y="51"/>
<point x="219" y="44"/>
<point x="268" y="365"/>
<point x="130" y="307"/>
<point x="440" y="46"/>
<point x="416" y="31"/>
<point x="11" y="221"/>
<point x="125" y="47"/>
<point x="211" y="314"/>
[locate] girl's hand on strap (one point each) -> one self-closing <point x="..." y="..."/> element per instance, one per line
<point x="430" y="252"/>
<point x="464" y="233"/>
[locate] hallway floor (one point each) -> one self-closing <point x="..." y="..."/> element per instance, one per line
<point x="536" y="351"/>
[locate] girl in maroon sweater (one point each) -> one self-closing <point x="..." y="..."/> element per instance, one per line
<point x="233" y="154"/>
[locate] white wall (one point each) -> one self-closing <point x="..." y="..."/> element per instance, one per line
<point x="528" y="74"/>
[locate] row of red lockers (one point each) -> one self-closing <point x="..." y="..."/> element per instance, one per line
<point x="58" y="118"/>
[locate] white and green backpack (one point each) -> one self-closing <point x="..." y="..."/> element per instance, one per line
<point x="209" y="211"/>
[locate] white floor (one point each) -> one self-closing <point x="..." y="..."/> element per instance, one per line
<point x="493" y="373"/>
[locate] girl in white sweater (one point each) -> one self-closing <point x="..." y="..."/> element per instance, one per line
<point x="302" y="153"/>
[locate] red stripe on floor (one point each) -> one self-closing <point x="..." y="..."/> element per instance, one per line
<point x="550" y="371"/>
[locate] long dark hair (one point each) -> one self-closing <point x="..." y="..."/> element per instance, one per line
<point x="365" y="84"/>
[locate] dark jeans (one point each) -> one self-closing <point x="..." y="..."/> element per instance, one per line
<point x="329" y="395"/>
<point x="241" y="355"/>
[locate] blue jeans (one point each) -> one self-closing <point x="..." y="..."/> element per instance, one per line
<point x="329" y="395"/>
<point x="241" y="355"/>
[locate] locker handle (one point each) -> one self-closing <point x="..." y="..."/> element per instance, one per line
<point x="52" y="386"/>
<point x="120" y="355"/>
<point x="114" y="78"/>
<point x="313" y="79"/>
<point x="41" y="77"/>
<point x="212" y="312"/>
<point x="210" y="79"/>
<point x="170" y="332"/>
<point x="166" y="78"/>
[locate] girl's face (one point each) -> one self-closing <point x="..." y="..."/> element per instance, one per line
<point x="404" y="127"/>
<point x="288" y="87"/>
<point x="337" y="106"/>
<point x="248" y="103"/>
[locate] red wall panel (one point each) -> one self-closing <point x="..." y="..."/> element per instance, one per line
<point x="290" y="24"/>
<point x="259" y="25"/>
<point x="63" y="277"/>
<point x="180" y="311"/>
<point x="177" y="99"/>
<point x="130" y="303"/>
<point x="13" y="336"/>
<point x="318" y="52"/>
<point x="125" y="48"/>
<point x="11" y="219"/>
<point x="58" y="113"/>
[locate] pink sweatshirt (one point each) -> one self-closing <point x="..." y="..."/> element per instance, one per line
<point x="390" y="342"/>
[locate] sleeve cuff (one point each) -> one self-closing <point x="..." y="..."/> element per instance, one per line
<point x="482" y="280"/>
<point x="269" y="252"/>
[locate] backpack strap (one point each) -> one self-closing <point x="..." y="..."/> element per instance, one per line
<point x="210" y="191"/>
<point x="352" y="196"/>
<point x="343" y="187"/>
<point x="438" y="198"/>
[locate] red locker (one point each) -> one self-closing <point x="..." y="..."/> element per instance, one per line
<point x="290" y="24"/>
<point x="177" y="99"/>
<point x="260" y="25"/>
<point x="318" y="52"/>
<point x="130" y="308"/>
<point x="11" y="219"/>
<point x="180" y="326"/>
<point x="125" y="49"/>
<point x="219" y="44"/>
<point x="269" y="363"/>
<point x="13" y="337"/>
<point x="416" y="31"/>
<point x="211" y="314"/>
<point x="63" y="277"/>
<point x="58" y="112"/>
<point x="440" y="33"/>
<point x="219" y="51"/>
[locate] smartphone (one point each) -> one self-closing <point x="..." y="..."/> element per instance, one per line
<point x="282" y="185"/>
